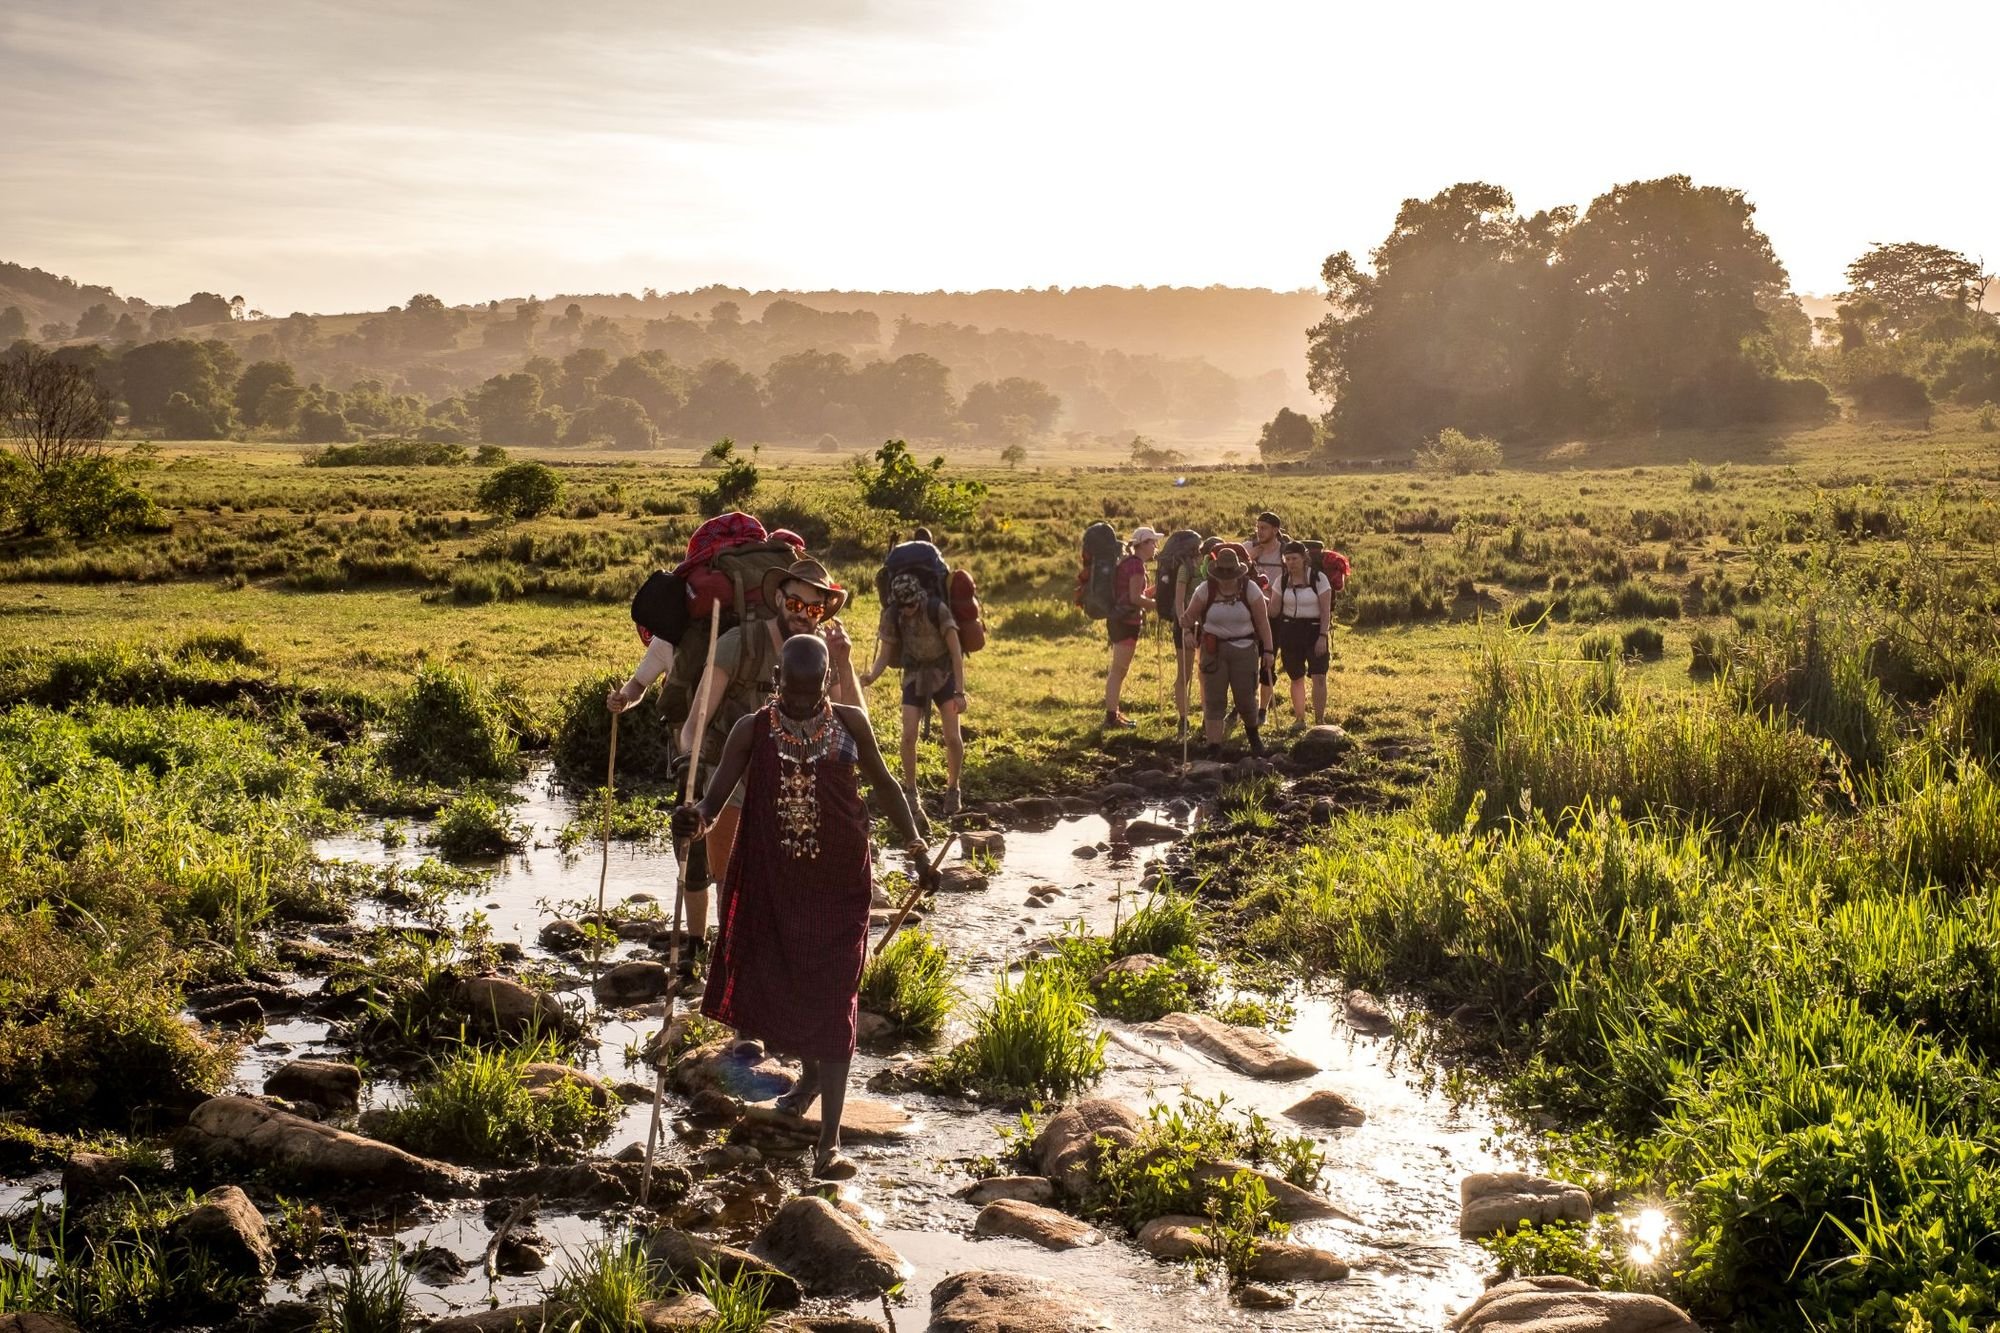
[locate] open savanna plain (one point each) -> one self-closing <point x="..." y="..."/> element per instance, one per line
<point x="1672" y="818"/>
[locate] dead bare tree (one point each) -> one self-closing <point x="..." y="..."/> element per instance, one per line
<point x="54" y="411"/>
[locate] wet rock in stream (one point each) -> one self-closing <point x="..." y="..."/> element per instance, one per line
<point x="632" y="983"/>
<point x="1028" y="1189"/>
<point x="296" y="1150"/>
<point x="828" y="1251"/>
<point x="542" y="1078"/>
<point x="1033" y="1223"/>
<point x="1534" y="1304"/>
<point x="683" y="1313"/>
<point x="324" y="1083"/>
<point x="1491" y="1201"/>
<point x="1364" y="1013"/>
<point x="27" y="1322"/>
<point x="1249" y="1051"/>
<point x="686" y="1256"/>
<point x="734" y="1069"/>
<point x="1067" y="1146"/>
<point x="982" y="1302"/>
<point x="503" y="1005"/>
<point x="227" y="1228"/>
<point x="1326" y="1109"/>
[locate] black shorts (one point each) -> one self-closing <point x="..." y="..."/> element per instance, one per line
<point x="1123" y="626"/>
<point x="1296" y="640"/>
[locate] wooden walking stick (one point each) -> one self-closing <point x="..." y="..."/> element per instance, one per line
<point x="604" y="867"/>
<point x="1183" y="686"/>
<point x="926" y="875"/>
<point x="680" y="901"/>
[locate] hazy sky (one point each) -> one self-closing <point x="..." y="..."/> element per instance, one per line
<point x="344" y="154"/>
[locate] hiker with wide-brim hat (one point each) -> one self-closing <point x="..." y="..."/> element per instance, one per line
<point x="920" y="635"/>
<point x="1231" y="618"/>
<point x="803" y="599"/>
<point x="1128" y="618"/>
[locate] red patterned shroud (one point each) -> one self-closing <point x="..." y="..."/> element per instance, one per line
<point x="794" y="929"/>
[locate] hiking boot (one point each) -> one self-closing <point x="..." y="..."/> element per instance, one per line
<point x="1118" y="721"/>
<point x="951" y="801"/>
<point x="1215" y="752"/>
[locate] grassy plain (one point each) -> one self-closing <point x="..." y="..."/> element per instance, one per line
<point x="1691" y="740"/>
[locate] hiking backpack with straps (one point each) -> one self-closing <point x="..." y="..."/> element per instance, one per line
<point x="1178" y="555"/>
<point x="927" y="563"/>
<point x="1097" y="581"/>
<point x="1329" y="562"/>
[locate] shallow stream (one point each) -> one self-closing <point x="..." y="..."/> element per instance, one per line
<point x="1397" y="1174"/>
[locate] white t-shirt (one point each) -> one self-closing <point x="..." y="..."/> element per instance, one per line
<point x="1300" y="601"/>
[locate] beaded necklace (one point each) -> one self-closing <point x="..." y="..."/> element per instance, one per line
<point x="801" y="745"/>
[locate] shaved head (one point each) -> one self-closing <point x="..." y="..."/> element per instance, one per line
<point x="803" y="660"/>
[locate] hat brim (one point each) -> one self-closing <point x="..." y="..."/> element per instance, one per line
<point x="775" y="579"/>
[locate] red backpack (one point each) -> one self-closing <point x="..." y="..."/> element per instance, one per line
<point x="710" y="586"/>
<point x="1336" y="567"/>
<point x="965" y="610"/>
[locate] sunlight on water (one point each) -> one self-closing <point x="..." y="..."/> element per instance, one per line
<point x="1649" y="1232"/>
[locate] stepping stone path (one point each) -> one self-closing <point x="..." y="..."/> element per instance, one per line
<point x="1499" y="1201"/>
<point x="980" y="1302"/>
<point x="1249" y="1051"/>
<point x="1536" y="1304"/>
<point x="1031" y="1222"/>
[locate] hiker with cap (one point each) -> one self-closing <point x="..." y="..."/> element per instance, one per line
<point x="793" y="934"/>
<point x="1303" y="623"/>
<point x="739" y="679"/>
<point x="919" y="632"/>
<point x="1230" y="618"/>
<point x="1128" y="618"/>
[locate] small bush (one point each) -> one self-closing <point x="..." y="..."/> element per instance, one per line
<point x="580" y="740"/>
<point x="915" y="491"/>
<point x="603" y="1289"/>
<point x="734" y="484"/>
<point x="521" y="490"/>
<point x="370" y="1300"/>
<point x="912" y="983"/>
<point x="476" y="584"/>
<point x="1455" y="454"/>
<point x="1702" y="478"/>
<point x="476" y="825"/>
<point x="1527" y="612"/>
<point x="388" y="453"/>
<point x="490" y="455"/>
<point x="1598" y="646"/>
<point x="476" y="1106"/>
<point x="1894" y="395"/>
<point x="1708" y="654"/>
<point x="450" y="728"/>
<point x="1033" y="1040"/>
<point x="1642" y="601"/>
<point x="1168" y="922"/>
<point x="1163" y="1173"/>
<point x="1644" y="642"/>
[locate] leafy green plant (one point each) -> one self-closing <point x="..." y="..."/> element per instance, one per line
<point x="1453" y="453"/>
<point x="477" y="824"/>
<point x="915" y="491"/>
<point x="602" y="1289"/>
<point x="477" y="1106"/>
<point x="1167" y="1169"/>
<point x="734" y="484"/>
<point x="1033" y="1038"/>
<point x="913" y="983"/>
<point x="1239" y="1220"/>
<point x="451" y="728"/>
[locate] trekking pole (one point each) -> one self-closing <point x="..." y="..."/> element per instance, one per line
<point x="925" y="876"/>
<point x="1183" y="686"/>
<point x="604" y="867"/>
<point x="680" y="900"/>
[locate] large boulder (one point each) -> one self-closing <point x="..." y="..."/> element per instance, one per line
<point x="1565" y="1305"/>
<point x="1141" y="832"/>
<point x="1499" y="1201"/>
<point x="89" y="1176"/>
<point x="1321" y="746"/>
<point x="1286" y="1261"/>
<point x="1326" y="1109"/>
<point x="635" y="982"/>
<point x="1066" y="1148"/>
<point x="305" y="1152"/>
<point x="1250" y="1051"/>
<point x="989" y="842"/>
<point x="1031" y="1222"/>
<point x="686" y="1256"/>
<point x="504" y="1006"/>
<point x="828" y="1251"/>
<point x="227" y="1228"/>
<point x="326" y="1083"/>
<point x="1011" y="1303"/>
<point x="961" y="879"/>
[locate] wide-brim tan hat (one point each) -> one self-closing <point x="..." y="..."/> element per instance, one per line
<point x="803" y="571"/>
<point x="1224" y="565"/>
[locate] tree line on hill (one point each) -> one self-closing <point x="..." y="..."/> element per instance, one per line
<point x="438" y="352"/>
<point x="183" y="389"/>
<point x="1662" y="304"/>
